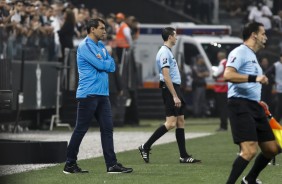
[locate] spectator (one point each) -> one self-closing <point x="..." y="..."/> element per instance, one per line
<point x="94" y="13"/>
<point x="66" y="32"/>
<point x="266" y="90"/>
<point x="277" y="6"/>
<point x="276" y="69"/>
<point x="116" y="91"/>
<point x="18" y="28"/>
<point x="199" y="73"/>
<point x="35" y="32"/>
<point x="111" y="29"/>
<point x="277" y="19"/>
<point x="80" y="26"/>
<point x="221" y="91"/>
<point x="48" y="40"/>
<point x="5" y="17"/>
<point x="235" y="7"/>
<point x="56" y="21"/>
<point x="123" y="36"/>
<point x="134" y="27"/>
<point x="129" y="67"/>
<point x="261" y="13"/>
<point x="18" y="7"/>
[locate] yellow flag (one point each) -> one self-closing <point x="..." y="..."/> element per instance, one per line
<point x="277" y="130"/>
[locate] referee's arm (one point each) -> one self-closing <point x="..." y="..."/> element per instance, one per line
<point x="231" y="75"/>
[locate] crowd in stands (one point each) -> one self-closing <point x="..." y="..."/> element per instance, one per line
<point x="48" y="27"/>
<point x="267" y="12"/>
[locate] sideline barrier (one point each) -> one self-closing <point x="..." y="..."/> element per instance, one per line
<point x="31" y="152"/>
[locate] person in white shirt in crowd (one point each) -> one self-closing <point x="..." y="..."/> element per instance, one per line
<point x="277" y="20"/>
<point x="56" y="23"/>
<point x="262" y="14"/>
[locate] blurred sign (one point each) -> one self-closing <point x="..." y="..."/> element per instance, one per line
<point x="40" y="82"/>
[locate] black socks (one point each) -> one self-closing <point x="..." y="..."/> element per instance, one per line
<point x="260" y="163"/>
<point x="156" y="135"/>
<point x="180" y="138"/>
<point x="238" y="167"/>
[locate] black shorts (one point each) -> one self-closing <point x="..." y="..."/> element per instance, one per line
<point x="170" y="109"/>
<point x="248" y="121"/>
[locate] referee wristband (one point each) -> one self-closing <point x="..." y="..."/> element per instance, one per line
<point x="252" y="78"/>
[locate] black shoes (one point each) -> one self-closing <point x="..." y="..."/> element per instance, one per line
<point x="244" y="181"/>
<point x="73" y="168"/>
<point x="118" y="168"/>
<point x="189" y="160"/>
<point x="144" y="152"/>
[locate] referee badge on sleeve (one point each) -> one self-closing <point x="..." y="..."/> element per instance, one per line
<point x="232" y="59"/>
<point x="164" y="61"/>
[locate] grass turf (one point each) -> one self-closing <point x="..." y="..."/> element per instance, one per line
<point x="217" y="153"/>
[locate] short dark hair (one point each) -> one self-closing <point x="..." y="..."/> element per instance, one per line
<point x="93" y="23"/>
<point x="167" y="32"/>
<point x="249" y="29"/>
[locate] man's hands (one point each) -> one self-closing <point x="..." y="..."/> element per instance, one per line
<point x="265" y="108"/>
<point x="262" y="79"/>
<point x="177" y="101"/>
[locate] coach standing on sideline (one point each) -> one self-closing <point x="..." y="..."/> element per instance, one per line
<point x="94" y="63"/>
<point x="249" y="124"/>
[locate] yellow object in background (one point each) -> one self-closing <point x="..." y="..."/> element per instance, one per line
<point x="277" y="130"/>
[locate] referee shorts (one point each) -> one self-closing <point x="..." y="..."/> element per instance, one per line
<point x="170" y="109"/>
<point x="248" y="121"/>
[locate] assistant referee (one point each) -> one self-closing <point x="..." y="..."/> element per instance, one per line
<point x="249" y="124"/>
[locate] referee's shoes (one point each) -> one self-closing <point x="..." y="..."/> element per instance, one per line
<point x="145" y="152"/>
<point x="244" y="181"/>
<point x="189" y="160"/>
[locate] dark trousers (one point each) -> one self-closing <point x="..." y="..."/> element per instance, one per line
<point x="278" y="111"/>
<point x="100" y="107"/>
<point x="199" y="101"/>
<point x="221" y="104"/>
<point x="119" y="51"/>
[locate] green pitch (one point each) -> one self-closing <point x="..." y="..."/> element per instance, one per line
<point x="217" y="153"/>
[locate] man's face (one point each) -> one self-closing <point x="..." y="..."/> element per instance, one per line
<point x="19" y="6"/>
<point x="264" y="62"/>
<point x="261" y="37"/>
<point x="2" y="3"/>
<point x="100" y="31"/>
<point x="173" y="38"/>
<point x="49" y="12"/>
